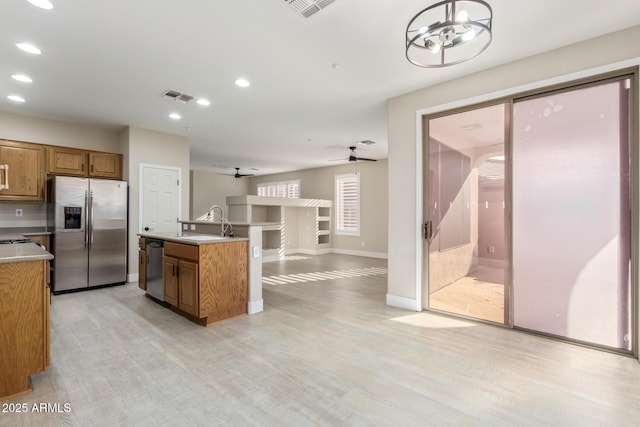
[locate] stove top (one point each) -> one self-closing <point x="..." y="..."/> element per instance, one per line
<point x="12" y="241"/>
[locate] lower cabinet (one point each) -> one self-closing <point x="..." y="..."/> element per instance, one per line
<point x="208" y="282"/>
<point x="142" y="263"/>
<point x="170" y="270"/>
<point x="24" y="325"/>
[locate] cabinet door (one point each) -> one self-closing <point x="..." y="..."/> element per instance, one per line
<point x="170" y="280"/>
<point x="142" y="270"/>
<point x="67" y="161"/>
<point x="105" y="165"/>
<point x="188" y="287"/>
<point x="21" y="171"/>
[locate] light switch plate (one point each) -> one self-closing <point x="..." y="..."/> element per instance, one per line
<point x="18" y="212"/>
<point x="256" y="251"/>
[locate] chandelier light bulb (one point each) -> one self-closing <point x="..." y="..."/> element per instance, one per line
<point x="469" y="35"/>
<point x="462" y="16"/>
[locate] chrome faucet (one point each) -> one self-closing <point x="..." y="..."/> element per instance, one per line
<point x="226" y="228"/>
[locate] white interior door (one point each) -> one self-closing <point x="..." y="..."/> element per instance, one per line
<point x="160" y="198"/>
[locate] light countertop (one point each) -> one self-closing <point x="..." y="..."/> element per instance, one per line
<point x="20" y="252"/>
<point x="191" y="238"/>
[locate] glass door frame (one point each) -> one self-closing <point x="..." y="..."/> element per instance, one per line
<point x="634" y="154"/>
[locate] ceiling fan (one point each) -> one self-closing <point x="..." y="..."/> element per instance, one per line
<point x="354" y="158"/>
<point x="238" y="174"/>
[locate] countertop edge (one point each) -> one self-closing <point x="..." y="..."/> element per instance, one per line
<point x="23" y="252"/>
<point x="171" y="237"/>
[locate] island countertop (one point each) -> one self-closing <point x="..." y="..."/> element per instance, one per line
<point x="20" y="252"/>
<point x="191" y="238"/>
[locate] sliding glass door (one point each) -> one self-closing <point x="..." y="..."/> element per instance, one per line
<point x="528" y="209"/>
<point x="572" y="214"/>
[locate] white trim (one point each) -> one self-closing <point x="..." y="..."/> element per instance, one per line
<point x="141" y="189"/>
<point x="254" y="307"/>
<point x="132" y="277"/>
<point x="381" y="255"/>
<point x="419" y="212"/>
<point x="336" y="178"/>
<point x="404" y="303"/>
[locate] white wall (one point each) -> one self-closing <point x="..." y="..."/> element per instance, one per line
<point x="405" y="154"/>
<point x="210" y="188"/>
<point x="154" y="148"/>
<point x="319" y="184"/>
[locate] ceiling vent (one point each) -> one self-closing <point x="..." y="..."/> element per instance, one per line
<point x="307" y="8"/>
<point x="177" y="96"/>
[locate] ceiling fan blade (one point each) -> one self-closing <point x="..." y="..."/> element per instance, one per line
<point x="365" y="159"/>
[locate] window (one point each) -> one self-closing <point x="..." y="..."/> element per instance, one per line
<point x="348" y="204"/>
<point x="290" y="189"/>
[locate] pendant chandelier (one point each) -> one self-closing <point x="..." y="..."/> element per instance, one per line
<point x="449" y="32"/>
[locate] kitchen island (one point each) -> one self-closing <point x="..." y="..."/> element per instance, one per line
<point x="204" y="277"/>
<point x="24" y="315"/>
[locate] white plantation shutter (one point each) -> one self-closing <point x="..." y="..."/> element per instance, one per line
<point x="348" y="204"/>
<point x="290" y="189"/>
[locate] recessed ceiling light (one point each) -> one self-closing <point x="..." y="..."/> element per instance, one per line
<point x="21" y="78"/>
<point x="16" y="98"/>
<point x="29" y="48"/>
<point x="243" y="83"/>
<point x="175" y="116"/>
<point x="44" y="4"/>
<point x="203" y="102"/>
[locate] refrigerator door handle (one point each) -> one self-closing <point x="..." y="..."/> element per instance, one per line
<point x="90" y="221"/>
<point x="86" y="219"/>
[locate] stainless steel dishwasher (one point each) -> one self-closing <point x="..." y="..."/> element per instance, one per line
<point x="155" y="254"/>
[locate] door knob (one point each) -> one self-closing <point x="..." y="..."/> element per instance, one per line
<point x="146" y="229"/>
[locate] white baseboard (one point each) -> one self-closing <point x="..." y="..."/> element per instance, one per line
<point x="132" y="277"/>
<point x="254" y="307"/>
<point x="271" y="258"/>
<point x="404" y="303"/>
<point x="381" y="255"/>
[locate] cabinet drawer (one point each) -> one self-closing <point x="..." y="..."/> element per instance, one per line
<point x="180" y="250"/>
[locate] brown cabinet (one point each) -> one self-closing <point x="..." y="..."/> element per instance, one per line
<point x="21" y="171"/>
<point x="188" y="287"/>
<point x="77" y="162"/>
<point x="208" y="282"/>
<point x="24" y="330"/>
<point x="105" y="165"/>
<point x="180" y="274"/>
<point x="170" y="270"/>
<point x="142" y="263"/>
<point x="67" y="161"/>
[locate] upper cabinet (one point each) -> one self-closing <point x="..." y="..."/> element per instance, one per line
<point x="67" y="161"/>
<point x="72" y="161"/>
<point x="105" y="165"/>
<point x="22" y="171"/>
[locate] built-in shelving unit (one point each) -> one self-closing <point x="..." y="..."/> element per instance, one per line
<point x="288" y="225"/>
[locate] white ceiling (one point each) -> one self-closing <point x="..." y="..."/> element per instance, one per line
<point x="106" y="62"/>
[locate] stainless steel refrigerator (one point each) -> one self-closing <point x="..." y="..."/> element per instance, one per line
<point x="88" y="218"/>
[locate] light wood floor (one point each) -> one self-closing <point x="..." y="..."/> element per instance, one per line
<point x="324" y="352"/>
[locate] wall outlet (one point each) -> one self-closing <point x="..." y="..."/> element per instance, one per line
<point x="18" y="212"/>
<point x="491" y="249"/>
